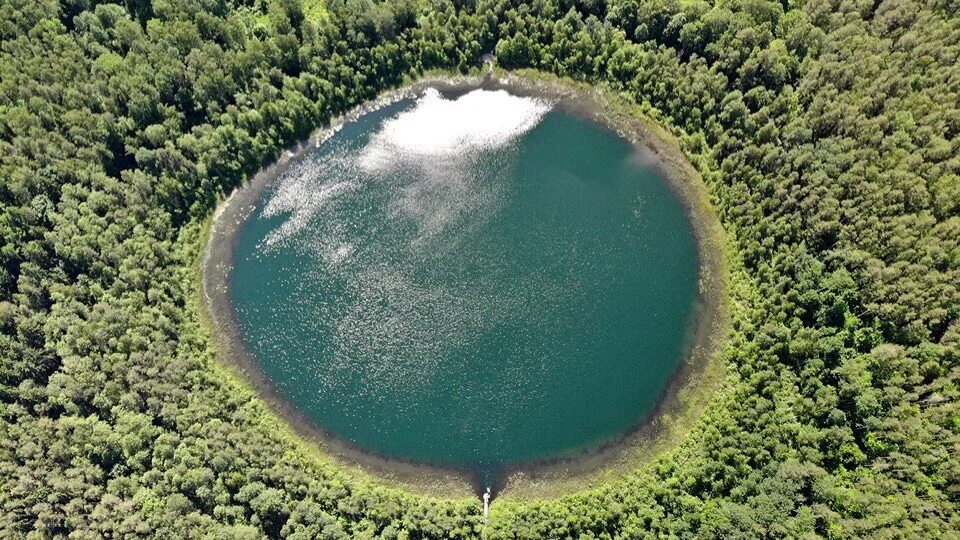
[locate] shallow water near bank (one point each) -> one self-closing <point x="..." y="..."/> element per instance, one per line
<point x="447" y="284"/>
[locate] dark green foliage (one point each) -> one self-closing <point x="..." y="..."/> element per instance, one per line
<point x="828" y="133"/>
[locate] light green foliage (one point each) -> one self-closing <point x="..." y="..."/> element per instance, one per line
<point x="827" y="133"/>
<point x="314" y="10"/>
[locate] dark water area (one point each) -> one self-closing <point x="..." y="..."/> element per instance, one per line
<point x="472" y="281"/>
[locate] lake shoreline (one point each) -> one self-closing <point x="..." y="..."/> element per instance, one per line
<point x="684" y="393"/>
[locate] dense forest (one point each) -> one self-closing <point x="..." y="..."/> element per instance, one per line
<point x="827" y="131"/>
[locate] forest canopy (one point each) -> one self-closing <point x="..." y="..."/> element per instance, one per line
<point x="828" y="135"/>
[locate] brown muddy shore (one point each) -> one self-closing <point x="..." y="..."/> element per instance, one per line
<point x="684" y="397"/>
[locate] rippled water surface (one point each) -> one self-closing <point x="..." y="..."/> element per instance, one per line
<point x="473" y="280"/>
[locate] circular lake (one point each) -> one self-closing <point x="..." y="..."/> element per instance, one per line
<point x="476" y="280"/>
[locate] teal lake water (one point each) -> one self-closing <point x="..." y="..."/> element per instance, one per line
<point x="475" y="281"/>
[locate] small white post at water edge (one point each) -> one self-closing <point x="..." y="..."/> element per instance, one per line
<point x="486" y="503"/>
